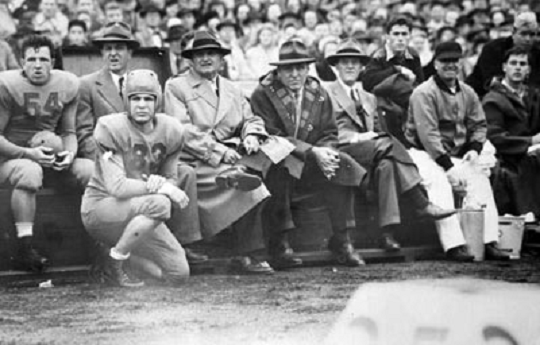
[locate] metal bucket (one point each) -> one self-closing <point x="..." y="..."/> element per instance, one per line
<point x="511" y="235"/>
<point x="472" y="225"/>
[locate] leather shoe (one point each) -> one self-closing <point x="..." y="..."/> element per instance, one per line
<point x="195" y="258"/>
<point x="238" y="177"/>
<point x="389" y="243"/>
<point x="250" y="265"/>
<point x="459" y="254"/>
<point x="282" y="255"/>
<point x="492" y="252"/>
<point x="344" y="253"/>
<point x="434" y="212"/>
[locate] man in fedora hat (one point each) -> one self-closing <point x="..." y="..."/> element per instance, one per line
<point x="447" y="131"/>
<point x="237" y="66"/>
<point x="175" y="38"/>
<point x="102" y="94"/>
<point x="222" y="136"/>
<point x="391" y="172"/>
<point x="151" y="35"/>
<point x="297" y="108"/>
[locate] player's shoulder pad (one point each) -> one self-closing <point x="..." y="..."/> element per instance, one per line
<point x="11" y="77"/>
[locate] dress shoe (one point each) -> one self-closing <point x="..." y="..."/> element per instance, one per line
<point x="459" y="254"/>
<point x="389" y="243"/>
<point x="492" y="252"/>
<point x="238" y="177"/>
<point x="194" y="258"/>
<point x="282" y="255"/>
<point x="434" y="212"/>
<point x="250" y="265"/>
<point x="344" y="252"/>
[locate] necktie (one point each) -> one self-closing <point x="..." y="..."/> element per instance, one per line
<point x="360" y="111"/>
<point x="121" y="86"/>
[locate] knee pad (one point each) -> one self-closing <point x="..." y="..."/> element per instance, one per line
<point x="27" y="176"/>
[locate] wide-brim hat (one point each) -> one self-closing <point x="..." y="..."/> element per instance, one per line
<point x="176" y="32"/>
<point x="348" y="49"/>
<point x="448" y="50"/>
<point x="117" y="32"/>
<point x="293" y="52"/>
<point x="201" y="41"/>
<point x="228" y="22"/>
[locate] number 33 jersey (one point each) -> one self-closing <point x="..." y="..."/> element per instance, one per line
<point x="26" y="109"/>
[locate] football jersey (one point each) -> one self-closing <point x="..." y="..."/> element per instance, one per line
<point x="26" y="109"/>
<point x="139" y="153"/>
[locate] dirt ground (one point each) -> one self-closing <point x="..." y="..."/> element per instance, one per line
<point x="294" y="307"/>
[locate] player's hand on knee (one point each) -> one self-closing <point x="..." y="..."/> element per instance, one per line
<point x="154" y="182"/>
<point x="231" y="156"/>
<point x="63" y="160"/>
<point x="42" y="155"/>
<point x="174" y="193"/>
<point x="251" y="144"/>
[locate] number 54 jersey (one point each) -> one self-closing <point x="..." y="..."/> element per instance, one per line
<point x="26" y="109"/>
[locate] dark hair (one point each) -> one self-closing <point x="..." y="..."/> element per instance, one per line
<point x="36" y="42"/>
<point x="77" y="22"/>
<point x="518" y="50"/>
<point x="399" y="20"/>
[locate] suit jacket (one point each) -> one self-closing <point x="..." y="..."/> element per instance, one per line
<point x="99" y="96"/>
<point x="212" y="122"/>
<point x="348" y="121"/>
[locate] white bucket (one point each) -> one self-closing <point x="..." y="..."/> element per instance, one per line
<point x="472" y="225"/>
<point x="511" y="235"/>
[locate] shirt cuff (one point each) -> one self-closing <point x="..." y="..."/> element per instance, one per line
<point x="445" y="162"/>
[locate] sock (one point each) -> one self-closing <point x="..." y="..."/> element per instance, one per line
<point x="24" y="229"/>
<point x="117" y="255"/>
<point x="418" y="197"/>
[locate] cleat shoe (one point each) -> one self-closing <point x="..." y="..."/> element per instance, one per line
<point x="281" y="253"/>
<point x="113" y="274"/>
<point x="27" y="258"/>
<point x="344" y="252"/>
<point x="238" y="177"/>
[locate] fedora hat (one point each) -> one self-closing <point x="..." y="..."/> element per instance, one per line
<point x="348" y="49"/>
<point x="293" y="52"/>
<point x="117" y="32"/>
<point x="204" y="40"/>
<point x="176" y="32"/>
<point x="228" y="22"/>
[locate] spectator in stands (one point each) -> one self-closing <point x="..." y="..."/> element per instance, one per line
<point x="391" y="173"/>
<point x="491" y="59"/>
<point x="307" y="31"/>
<point x="46" y="103"/>
<point x="297" y="108"/>
<point x="171" y="14"/>
<point x="50" y="18"/>
<point x="514" y="129"/>
<point x="132" y="190"/>
<point x="188" y="17"/>
<point x="391" y="75"/>
<point x="237" y="66"/>
<point x="273" y="13"/>
<point x="77" y="36"/>
<point x="113" y="13"/>
<point x="420" y="43"/>
<point x="7" y="22"/>
<point x="447" y="130"/>
<point x="151" y="35"/>
<point x="7" y="57"/>
<point x="175" y="39"/>
<point x="321" y="68"/>
<point x="264" y="52"/>
<point x="96" y="16"/>
<point x="218" y="6"/>
<point x="222" y="136"/>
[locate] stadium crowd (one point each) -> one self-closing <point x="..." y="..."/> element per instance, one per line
<point x="414" y="101"/>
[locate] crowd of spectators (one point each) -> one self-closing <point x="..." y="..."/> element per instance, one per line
<point x="254" y="29"/>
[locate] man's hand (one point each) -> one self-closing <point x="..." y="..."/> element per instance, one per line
<point x="42" y="155"/>
<point x="63" y="160"/>
<point x="456" y="178"/>
<point x="360" y="137"/>
<point x="536" y="139"/>
<point x="407" y="73"/>
<point x="327" y="160"/>
<point x="471" y="156"/>
<point x="154" y="182"/>
<point x="251" y="144"/>
<point x="174" y="193"/>
<point x="231" y="156"/>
